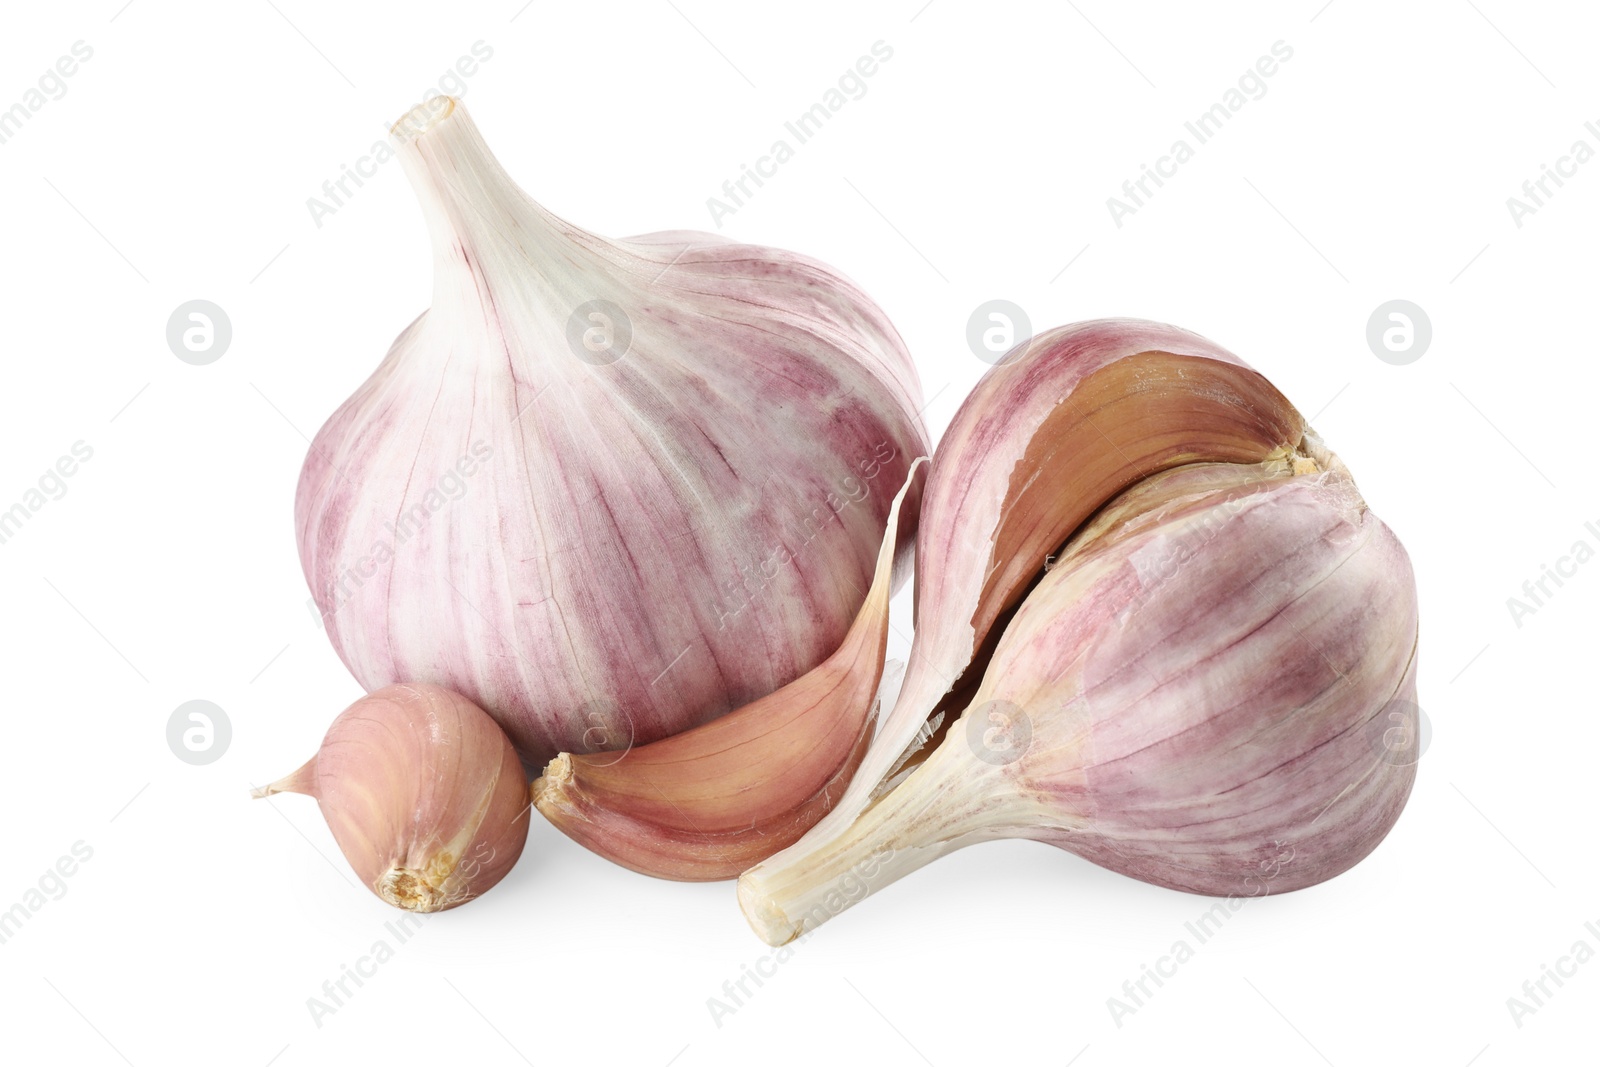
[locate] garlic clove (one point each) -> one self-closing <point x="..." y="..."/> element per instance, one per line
<point x="709" y="803"/>
<point x="659" y="529"/>
<point x="423" y="793"/>
<point x="1189" y="702"/>
<point x="1152" y="500"/>
<point x="1054" y="431"/>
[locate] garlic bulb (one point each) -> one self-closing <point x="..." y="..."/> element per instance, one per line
<point x="708" y="803"/>
<point x="608" y="490"/>
<point x="423" y="793"/>
<point x="1145" y="686"/>
<point x="1187" y="697"/>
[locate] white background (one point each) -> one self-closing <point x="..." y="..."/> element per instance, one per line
<point x="1377" y="166"/>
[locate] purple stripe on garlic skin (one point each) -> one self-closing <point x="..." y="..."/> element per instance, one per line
<point x="652" y="542"/>
<point x="1197" y="695"/>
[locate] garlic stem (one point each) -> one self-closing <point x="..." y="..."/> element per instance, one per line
<point x="477" y="217"/>
<point x="303" y="781"/>
<point x="947" y="803"/>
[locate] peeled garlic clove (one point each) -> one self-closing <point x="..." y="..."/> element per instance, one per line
<point x="423" y="793"/>
<point x="1191" y="702"/>
<point x="1061" y="425"/>
<point x="712" y="801"/>
<point x="641" y="481"/>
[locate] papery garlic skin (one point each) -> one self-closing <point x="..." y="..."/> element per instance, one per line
<point x="423" y="793"/>
<point x="1197" y="701"/>
<point x="653" y="536"/>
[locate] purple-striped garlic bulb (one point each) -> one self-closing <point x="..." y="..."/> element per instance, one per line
<point x="1200" y="693"/>
<point x="1156" y="625"/>
<point x="424" y="794"/>
<point x="608" y="490"/>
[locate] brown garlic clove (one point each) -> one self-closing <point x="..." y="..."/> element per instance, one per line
<point x="1193" y="697"/>
<point x="711" y="802"/>
<point x="422" y="791"/>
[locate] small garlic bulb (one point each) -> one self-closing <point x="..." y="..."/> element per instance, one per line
<point x="608" y="490"/>
<point x="423" y="793"/>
